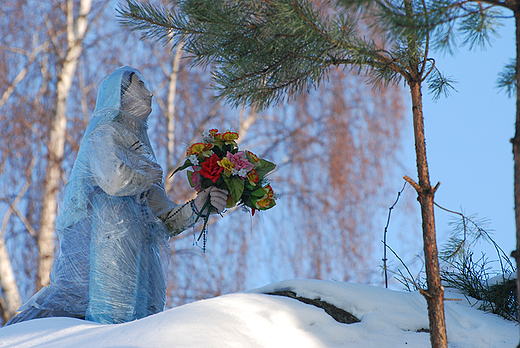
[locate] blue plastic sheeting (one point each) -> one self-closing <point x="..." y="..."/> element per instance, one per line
<point x="113" y="245"/>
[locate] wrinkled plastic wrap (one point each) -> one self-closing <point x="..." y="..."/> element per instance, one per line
<point x="113" y="245"/>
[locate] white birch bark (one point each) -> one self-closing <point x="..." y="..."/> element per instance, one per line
<point x="11" y="294"/>
<point x="10" y="290"/>
<point x="10" y="300"/>
<point x="170" y="117"/>
<point x="76" y="30"/>
<point x="246" y="122"/>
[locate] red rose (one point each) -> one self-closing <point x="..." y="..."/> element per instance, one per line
<point x="211" y="169"/>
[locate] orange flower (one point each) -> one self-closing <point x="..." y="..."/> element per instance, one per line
<point x="230" y="136"/>
<point x="254" y="158"/>
<point x="267" y="200"/>
<point x="215" y="134"/>
<point x="269" y="190"/>
<point x="253" y="176"/>
<point x="198" y="148"/>
<point x="264" y="203"/>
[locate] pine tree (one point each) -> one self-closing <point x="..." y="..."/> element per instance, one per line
<point x="265" y="52"/>
<point x="509" y="80"/>
<point x="478" y="21"/>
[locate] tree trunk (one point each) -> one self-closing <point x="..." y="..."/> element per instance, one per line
<point x="11" y="300"/>
<point x="516" y="152"/>
<point x="170" y="117"/>
<point x="435" y="293"/>
<point x="56" y="145"/>
<point x="8" y="284"/>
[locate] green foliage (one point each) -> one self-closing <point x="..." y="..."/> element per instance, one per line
<point x="235" y="186"/>
<point x="263" y="52"/>
<point x="443" y="22"/>
<point x="471" y="276"/>
<point x="502" y="299"/>
<point x="479" y="23"/>
<point x="466" y="233"/>
<point x="155" y="22"/>
<point x="494" y="290"/>
<point x="507" y="78"/>
<point x="474" y="278"/>
<point x="438" y="84"/>
<point x="264" y="167"/>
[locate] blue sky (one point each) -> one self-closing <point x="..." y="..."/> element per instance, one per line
<point x="468" y="140"/>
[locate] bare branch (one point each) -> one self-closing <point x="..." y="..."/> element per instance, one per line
<point x="23" y="72"/>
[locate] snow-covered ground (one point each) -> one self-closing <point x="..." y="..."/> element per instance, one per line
<point x="252" y="319"/>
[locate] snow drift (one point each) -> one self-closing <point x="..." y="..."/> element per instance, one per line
<point x="252" y="319"/>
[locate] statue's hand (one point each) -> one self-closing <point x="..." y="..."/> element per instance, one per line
<point x="218" y="200"/>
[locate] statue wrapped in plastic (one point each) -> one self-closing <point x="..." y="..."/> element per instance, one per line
<point x="115" y="219"/>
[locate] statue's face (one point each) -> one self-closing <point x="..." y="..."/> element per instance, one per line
<point x="141" y="89"/>
<point x="137" y="99"/>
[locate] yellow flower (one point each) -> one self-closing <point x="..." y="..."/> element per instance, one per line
<point x="254" y="158"/>
<point x="198" y="148"/>
<point x="230" y="136"/>
<point x="227" y="165"/>
<point x="267" y="200"/>
<point x="253" y="177"/>
<point x="264" y="202"/>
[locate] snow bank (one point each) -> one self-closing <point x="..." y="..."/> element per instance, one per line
<point x="253" y="319"/>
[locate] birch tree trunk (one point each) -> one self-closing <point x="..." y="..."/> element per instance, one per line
<point x="11" y="294"/>
<point x="170" y="117"/>
<point x="10" y="300"/>
<point x="76" y="30"/>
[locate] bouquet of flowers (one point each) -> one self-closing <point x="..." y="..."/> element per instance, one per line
<point x="217" y="161"/>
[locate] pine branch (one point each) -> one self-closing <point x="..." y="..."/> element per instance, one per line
<point x="507" y="78"/>
<point x="262" y="52"/>
<point x="439" y="84"/>
<point x="155" y="22"/>
<point x="265" y="52"/>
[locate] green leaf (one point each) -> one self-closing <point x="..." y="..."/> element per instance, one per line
<point x="186" y="164"/>
<point x="235" y="187"/>
<point x="264" y="168"/>
<point x="259" y="193"/>
<point x="205" y="183"/>
<point x="249" y="186"/>
<point x="190" y="174"/>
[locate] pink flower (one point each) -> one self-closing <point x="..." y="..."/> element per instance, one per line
<point x="195" y="181"/>
<point x="240" y="161"/>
